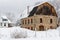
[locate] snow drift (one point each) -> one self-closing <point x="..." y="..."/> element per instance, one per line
<point x="14" y="32"/>
<point x="17" y="32"/>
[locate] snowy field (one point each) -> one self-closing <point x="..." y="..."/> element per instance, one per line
<point x="53" y="38"/>
<point x="17" y="33"/>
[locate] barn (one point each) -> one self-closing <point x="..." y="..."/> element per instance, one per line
<point x="41" y="18"/>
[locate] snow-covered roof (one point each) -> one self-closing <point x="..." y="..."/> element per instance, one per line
<point x="25" y="14"/>
<point x="4" y="17"/>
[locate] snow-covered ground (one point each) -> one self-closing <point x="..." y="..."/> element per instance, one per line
<point x="17" y="33"/>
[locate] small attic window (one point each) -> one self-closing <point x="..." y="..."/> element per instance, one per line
<point x="4" y="20"/>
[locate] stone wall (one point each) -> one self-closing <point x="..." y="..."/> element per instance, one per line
<point x="46" y="22"/>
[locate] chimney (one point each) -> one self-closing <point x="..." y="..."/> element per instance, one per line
<point x="28" y="10"/>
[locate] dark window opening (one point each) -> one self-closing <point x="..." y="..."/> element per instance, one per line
<point x="40" y="20"/>
<point x="41" y="28"/>
<point x="28" y="27"/>
<point x="57" y="25"/>
<point x="25" y="21"/>
<point x="4" y="20"/>
<point x="4" y="24"/>
<point x="31" y="21"/>
<point x="9" y="25"/>
<point x="28" y="21"/>
<point x="31" y="28"/>
<point x="46" y="10"/>
<point x="50" y="20"/>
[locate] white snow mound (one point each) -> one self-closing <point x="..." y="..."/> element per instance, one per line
<point x="17" y="32"/>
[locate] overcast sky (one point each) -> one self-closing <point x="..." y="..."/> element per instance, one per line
<point x="15" y="5"/>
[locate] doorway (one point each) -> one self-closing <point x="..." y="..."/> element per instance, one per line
<point x="41" y="28"/>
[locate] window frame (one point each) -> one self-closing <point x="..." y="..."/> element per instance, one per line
<point x="51" y="21"/>
<point x="40" y="20"/>
<point x="31" y="20"/>
<point x="28" y="21"/>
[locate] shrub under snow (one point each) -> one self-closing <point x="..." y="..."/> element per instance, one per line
<point x="18" y="33"/>
<point x="14" y="32"/>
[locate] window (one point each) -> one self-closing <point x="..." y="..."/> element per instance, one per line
<point x="9" y="25"/>
<point x="25" y="21"/>
<point x="4" y="19"/>
<point x="28" y="28"/>
<point x="40" y="20"/>
<point x="41" y="28"/>
<point x="4" y="24"/>
<point x="46" y="10"/>
<point x="31" y="28"/>
<point x="50" y="20"/>
<point x="31" y="21"/>
<point x="28" y="21"/>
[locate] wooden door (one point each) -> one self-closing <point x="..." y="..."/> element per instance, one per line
<point x="41" y="28"/>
